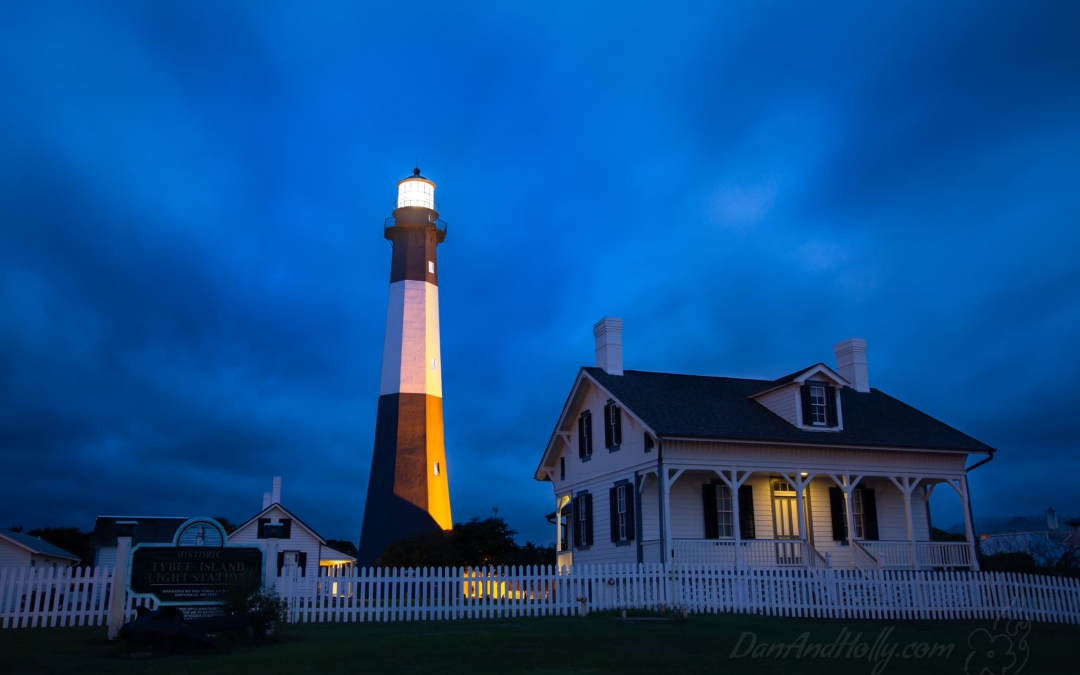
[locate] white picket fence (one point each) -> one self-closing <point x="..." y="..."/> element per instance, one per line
<point x="63" y="597"/>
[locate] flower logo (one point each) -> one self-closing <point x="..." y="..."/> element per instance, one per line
<point x="998" y="653"/>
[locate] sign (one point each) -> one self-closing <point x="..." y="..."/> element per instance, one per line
<point x="186" y="574"/>
<point x="197" y="569"/>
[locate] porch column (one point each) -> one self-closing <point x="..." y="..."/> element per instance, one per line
<point x="558" y="528"/>
<point x="801" y="483"/>
<point x="734" y="483"/>
<point x="847" y="485"/>
<point x="969" y="529"/>
<point x="906" y="486"/>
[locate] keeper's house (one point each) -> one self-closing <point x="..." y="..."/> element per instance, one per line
<point x="22" y="550"/>
<point x="808" y="470"/>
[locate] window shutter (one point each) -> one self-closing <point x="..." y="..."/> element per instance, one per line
<point x="562" y="468"/>
<point x="614" y="516"/>
<point x="287" y="530"/>
<point x="588" y="433"/>
<point x="616" y="424"/>
<point x="830" y="407"/>
<point x="608" y="440"/>
<point x="574" y="521"/>
<point x="869" y="505"/>
<point x="630" y="523"/>
<point x="747" y="529"/>
<point x="302" y="562"/>
<point x="588" y="520"/>
<point x="262" y="522"/>
<point x="581" y="436"/>
<point x="280" y="562"/>
<point x="807" y="409"/>
<point x="712" y="521"/>
<point x="839" y="517"/>
<point x="648" y="442"/>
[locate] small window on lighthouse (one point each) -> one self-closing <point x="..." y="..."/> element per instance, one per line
<point x="436" y="468"/>
<point x="431" y="267"/>
<point x="433" y="364"/>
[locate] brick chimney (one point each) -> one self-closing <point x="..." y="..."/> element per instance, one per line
<point x="608" y="333"/>
<point x="266" y="499"/>
<point x="851" y="363"/>
<point x="275" y="495"/>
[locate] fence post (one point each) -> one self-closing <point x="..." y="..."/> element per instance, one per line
<point x="118" y="598"/>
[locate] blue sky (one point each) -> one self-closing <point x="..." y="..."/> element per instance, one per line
<point x="193" y="280"/>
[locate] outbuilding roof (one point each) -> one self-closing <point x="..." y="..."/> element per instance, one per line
<point x="150" y="530"/>
<point x="38" y="546"/>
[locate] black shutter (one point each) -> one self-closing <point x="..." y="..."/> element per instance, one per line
<point x="830" y="407"/>
<point x="648" y="442"/>
<point x="588" y="434"/>
<point x="839" y="517"/>
<point x="608" y="441"/>
<point x="807" y="407"/>
<point x="302" y="562"/>
<point x="562" y="468"/>
<point x="287" y="530"/>
<point x="613" y="499"/>
<point x="262" y="522"/>
<point x="616" y="423"/>
<point x="581" y="436"/>
<point x="708" y="506"/>
<point x="280" y="562"/>
<point x="630" y="524"/>
<point x="747" y="530"/>
<point x="869" y="506"/>
<point x="588" y="520"/>
<point x="574" y="521"/>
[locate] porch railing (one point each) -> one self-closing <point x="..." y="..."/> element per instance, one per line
<point x="928" y="554"/>
<point x="758" y="553"/>
<point x="864" y="560"/>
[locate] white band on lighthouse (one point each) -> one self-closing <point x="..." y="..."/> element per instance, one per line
<point x="412" y="363"/>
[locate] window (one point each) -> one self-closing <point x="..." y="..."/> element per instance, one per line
<point x="286" y="534"/>
<point x="431" y="267"/>
<point x="562" y="468"/>
<point x="582" y="521"/>
<point x="725" y="515"/>
<point x="863" y="514"/>
<point x="622" y="512"/>
<point x="585" y="435"/>
<point x="648" y="442"/>
<point x="858" y="519"/>
<point x="291" y="558"/>
<point x="612" y="426"/>
<point x="819" y="405"/>
<point x="436" y="469"/>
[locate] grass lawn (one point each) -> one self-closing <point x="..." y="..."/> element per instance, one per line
<point x="599" y="643"/>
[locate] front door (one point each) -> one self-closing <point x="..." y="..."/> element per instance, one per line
<point x="786" y="523"/>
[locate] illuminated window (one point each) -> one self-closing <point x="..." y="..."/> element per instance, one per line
<point x="436" y="468"/>
<point x="431" y="267"/>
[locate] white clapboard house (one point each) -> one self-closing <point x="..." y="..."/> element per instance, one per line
<point x="300" y="548"/>
<point x="22" y="550"/>
<point x="813" y="469"/>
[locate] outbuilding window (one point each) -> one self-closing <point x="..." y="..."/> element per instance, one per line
<point x="585" y="435"/>
<point x="819" y="405"/>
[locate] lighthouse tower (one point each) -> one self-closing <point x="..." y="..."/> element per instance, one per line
<point x="408" y="492"/>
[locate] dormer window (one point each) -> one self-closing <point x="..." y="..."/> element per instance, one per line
<point x="818" y="417"/>
<point x="819" y="405"/>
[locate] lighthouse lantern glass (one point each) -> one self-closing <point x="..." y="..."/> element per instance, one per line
<point x="416" y="193"/>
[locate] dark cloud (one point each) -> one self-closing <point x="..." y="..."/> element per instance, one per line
<point x="193" y="280"/>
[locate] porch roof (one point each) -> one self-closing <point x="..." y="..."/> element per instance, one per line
<point x="695" y="406"/>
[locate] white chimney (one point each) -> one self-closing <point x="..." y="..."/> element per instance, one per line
<point x="851" y="363"/>
<point x="608" y="332"/>
<point x="266" y="499"/>
<point x="275" y="495"/>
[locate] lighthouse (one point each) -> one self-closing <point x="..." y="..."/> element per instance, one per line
<point x="407" y="490"/>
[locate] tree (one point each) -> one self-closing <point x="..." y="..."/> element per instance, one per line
<point x="477" y="543"/>
<point x="226" y="524"/>
<point x="346" y="547"/>
<point x="71" y="539"/>
<point x="15" y="528"/>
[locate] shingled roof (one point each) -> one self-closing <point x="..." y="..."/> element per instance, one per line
<point x="694" y="406"/>
<point x="153" y="530"/>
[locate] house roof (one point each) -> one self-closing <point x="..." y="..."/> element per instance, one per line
<point x="152" y="530"/>
<point x="694" y="406"/>
<point x="37" y="546"/>
<point x="290" y="514"/>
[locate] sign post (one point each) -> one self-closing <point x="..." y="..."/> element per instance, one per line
<point x="125" y="530"/>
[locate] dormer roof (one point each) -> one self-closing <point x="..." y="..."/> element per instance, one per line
<point x="818" y="371"/>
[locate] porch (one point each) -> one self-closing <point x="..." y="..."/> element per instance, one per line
<point x="775" y="517"/>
